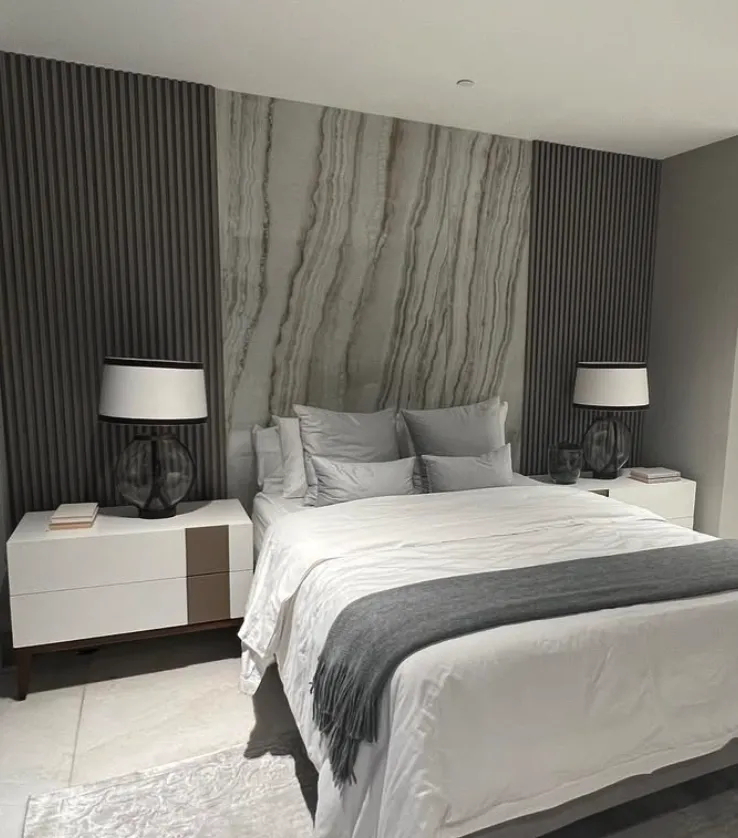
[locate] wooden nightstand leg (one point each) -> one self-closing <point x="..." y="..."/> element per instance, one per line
<point x="23" y="672"/>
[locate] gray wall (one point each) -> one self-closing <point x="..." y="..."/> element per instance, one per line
<point x="593" y="222"/>
<point x="693" y="421"/>
<point x="366" y="262"/>
<point x="5" y="531"/>
<point x="108" y="245"/>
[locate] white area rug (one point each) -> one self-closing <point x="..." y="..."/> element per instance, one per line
<point x="222" y="795"/>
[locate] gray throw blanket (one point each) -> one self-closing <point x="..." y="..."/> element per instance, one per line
<point x="374" y="634"/>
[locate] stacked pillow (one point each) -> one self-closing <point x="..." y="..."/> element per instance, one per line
<point x="452" y="474"/>
<point x="355" y="438"/>
<point x="328" y="457"/>
<point x="461" y="447"/>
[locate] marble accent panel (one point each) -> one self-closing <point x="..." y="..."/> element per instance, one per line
<point x="365" y="261"/>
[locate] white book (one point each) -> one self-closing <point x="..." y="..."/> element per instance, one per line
<point x="657" y="480"/>
<point x="655" y="473"/>
<point x="68" y="513"/>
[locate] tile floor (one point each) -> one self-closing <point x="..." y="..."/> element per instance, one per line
<point x="119" y="709"/>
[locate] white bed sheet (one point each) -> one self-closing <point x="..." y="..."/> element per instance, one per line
<point x="267" y="510"/>
<point x="489" y="727"/>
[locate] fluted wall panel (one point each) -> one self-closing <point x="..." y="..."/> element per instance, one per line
<point x="108" y="245"/>
<point x="593" y="227"/>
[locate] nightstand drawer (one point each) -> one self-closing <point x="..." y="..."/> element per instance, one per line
<point x="61" y="562"/>
<point x="61" y="616"/>
<point x="672" y="500"/>
<point x="683" y="522"/>
<point x="240" y="586"/>
<point x="126" y="576"/>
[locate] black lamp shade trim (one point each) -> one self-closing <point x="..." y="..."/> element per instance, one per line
<point x="612" y="365"/>
<point x="613" y="408"/>
<point x="151" y="362"/>
<point x="153" y="422"/>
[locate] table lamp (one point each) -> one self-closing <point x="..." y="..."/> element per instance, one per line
<point x="155" y="471"/>
<point x="609" y="387"/>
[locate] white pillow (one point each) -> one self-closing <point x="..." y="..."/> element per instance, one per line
<point x="268" y="451"/>
<point x="294" y="483"/>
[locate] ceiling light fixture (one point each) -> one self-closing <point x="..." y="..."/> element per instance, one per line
<point x="465" y="83"/>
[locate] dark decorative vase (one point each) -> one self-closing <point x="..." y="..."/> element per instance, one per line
<point x="154" y="473"/>
<point x="565" y="463"/>
<point x="606" y="446"/>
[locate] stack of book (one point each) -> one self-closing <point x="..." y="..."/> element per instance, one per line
<point x="655" y="475"/>
<point x="72" y="516"/>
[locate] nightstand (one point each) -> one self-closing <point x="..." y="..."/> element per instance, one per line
<point x="126" y="577"/>
<point x="674" y="501"/>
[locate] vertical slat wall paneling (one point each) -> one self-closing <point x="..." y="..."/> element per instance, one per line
<point x="108" y="246"/>
<point x="593" y="230"/>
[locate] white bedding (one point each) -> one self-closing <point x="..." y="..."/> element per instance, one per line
<point x="270" y="508"/>
<point x="489" y="727"/>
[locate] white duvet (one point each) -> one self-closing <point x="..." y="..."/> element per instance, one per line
<point x="502" y="723"/>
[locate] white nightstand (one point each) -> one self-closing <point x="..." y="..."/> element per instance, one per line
<point x="126" y="577"/>
<point x="674" y="500"/>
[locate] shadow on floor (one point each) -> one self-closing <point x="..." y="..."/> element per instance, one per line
<point x="56" y="670"/>
<point x="275" y="732"/>
<point x="706" y="807"/>
<point x="49" y="672"/>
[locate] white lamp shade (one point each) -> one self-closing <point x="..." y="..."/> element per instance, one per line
<point x="140" y="391"/>
<point x="611" y="386"/>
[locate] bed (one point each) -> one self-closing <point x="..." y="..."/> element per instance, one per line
<point x="495" y="726"/>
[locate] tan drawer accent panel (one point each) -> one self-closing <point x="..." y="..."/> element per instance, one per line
<point x="208" y="597"/>
<point x="208" y="550"/>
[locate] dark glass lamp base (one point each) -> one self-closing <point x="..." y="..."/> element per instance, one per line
<point x="154" y="473"/>
<point x="607" y="475"/>
<point x="606" y="447"/>
<point x="169" y="512"/>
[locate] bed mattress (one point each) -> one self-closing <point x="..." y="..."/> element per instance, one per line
<point x="482" y="729"/>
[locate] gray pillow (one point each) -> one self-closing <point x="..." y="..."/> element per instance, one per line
<point x="339" y="481"/>
<point x="468" y="430"/>
<point x="353" y="437"/>
<point x="454" y="474"/>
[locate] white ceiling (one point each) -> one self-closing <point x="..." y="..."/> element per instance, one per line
<point x="649" y="77"/>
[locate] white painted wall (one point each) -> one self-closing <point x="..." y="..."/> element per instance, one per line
<point x="646" y="77"/>
<point x="693" y="422"/>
